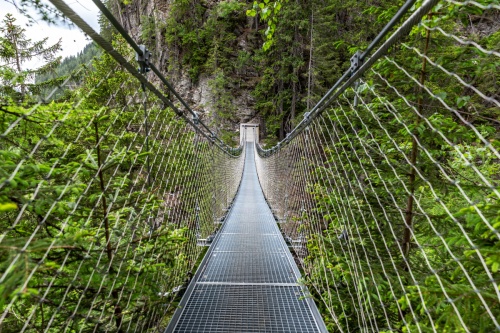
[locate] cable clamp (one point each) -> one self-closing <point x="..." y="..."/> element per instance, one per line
<point x="143" y="59"/>
<point x="196" y="118"/>
<point x="355" y="62"/>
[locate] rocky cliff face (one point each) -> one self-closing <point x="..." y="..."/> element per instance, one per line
<point x="174" y="30"/>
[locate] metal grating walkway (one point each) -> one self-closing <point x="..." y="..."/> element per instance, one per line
<point x="248" y="280"/>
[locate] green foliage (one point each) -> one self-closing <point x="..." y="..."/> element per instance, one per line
<point x="183" y="31"/>
<point x="148" y="28"/>
<point x="69" y="227"/>
<point x="268" y="11"/>
<point x="280" y="90"/>
<point x="15" y="50"/>
<point x="68" y="67"/>
<point x="376" y="215"/>
<point x="204" y="37"/>
<point x="96" y="231"/>
<point x="353" y="171"/>
<point x="222" y="100"/>
<point x="454" y="238"/>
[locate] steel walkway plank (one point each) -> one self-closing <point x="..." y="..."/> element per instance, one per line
<point x="248" y="280"/>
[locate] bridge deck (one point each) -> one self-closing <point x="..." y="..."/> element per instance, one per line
<point x="248" y="281"/>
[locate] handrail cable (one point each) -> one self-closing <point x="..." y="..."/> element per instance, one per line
<point x="349" y="77"/>
<point x="389" y="198"/>
<point x="86" y="226"/>
<point x="76" y="19"/>
<point x="112" y="19"/>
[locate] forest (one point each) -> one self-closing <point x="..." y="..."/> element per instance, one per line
<point x="389" y="197"/>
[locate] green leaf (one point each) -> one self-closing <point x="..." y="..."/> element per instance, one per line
<point x="441" y="95"/>
<point x="7" y="206"/>
<point x="461" y="101"/>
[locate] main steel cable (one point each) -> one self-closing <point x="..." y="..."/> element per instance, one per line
<point x="348" y="79"/>
<point x="139" y="51"/>
<point x="77" y="20"/>
<point x="293" y="144"/>
<point x="225" y="195"/>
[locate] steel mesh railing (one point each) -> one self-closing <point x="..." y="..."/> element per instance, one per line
<point x="104" y="200"/>
<point x="389" y="192"/>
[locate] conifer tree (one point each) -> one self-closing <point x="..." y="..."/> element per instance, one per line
<point x="15" y="50"/>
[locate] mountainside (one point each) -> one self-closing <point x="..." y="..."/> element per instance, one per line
<point x="212" y="53"/>
<point x="67" y="67"/>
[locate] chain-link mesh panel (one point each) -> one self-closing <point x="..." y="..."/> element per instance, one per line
<point x="390" y="196"/>
<point x="104" y="195"/>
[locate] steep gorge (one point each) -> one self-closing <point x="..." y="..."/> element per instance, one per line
<point x="212" y="53"/>
<point x="204" y="49"/>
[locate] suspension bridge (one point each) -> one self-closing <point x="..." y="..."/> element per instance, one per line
<point x="379" y="211"/>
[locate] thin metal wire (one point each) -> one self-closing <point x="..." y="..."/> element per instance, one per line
<point x="461" y="40"/>
<point x="354" y="161"/>
<point x="94" y="311"/>
<point x="447" y="209"/>
<point x="78" y="21"/>
<point x="477" y="4"/>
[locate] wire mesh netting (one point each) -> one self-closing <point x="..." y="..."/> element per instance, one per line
<point x="387" y="192"/>
<point x="390" y="196"/>
<point x="102" y="208"/>
<point x="248" y="281"/>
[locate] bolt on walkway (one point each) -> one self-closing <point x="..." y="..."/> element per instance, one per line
<point x="248" y="279"/>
